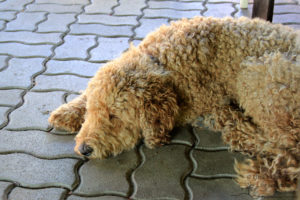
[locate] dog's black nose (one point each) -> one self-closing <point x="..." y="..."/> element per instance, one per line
<point x="85" y="150"/>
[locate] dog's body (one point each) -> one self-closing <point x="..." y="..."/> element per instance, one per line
<point x="244" y="74"/>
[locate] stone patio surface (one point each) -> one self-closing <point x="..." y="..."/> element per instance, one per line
<point x="48" y="51"/>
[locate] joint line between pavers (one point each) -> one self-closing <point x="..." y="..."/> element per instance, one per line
<point x="114" y="7"/>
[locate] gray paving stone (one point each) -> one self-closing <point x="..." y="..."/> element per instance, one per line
<point x="25" y="21"/>
<point x="14" y="5"/>
<point x="286" y="18"/>
<point x="3" y="186"/>
<point x="75" y="46"/>
<point x="168" y="13"/>
<point x="30" y="37"/>
<point x="287" y="9"/>
<point x="149" y="25"/>
<point x="2" y="61"/>
<point x="130" y="7"/>
<point x="20" y="71"/>
<point x="182" y="135"/>
<point x="41" y="194"/>
<point x="7" y="15"/>
<point x="63" y="1"/>
<point x="103" y="30"/>
<point x="176" y="5"/>
<point x="54" y="8"/>
<point x="100" y="6"/>
<point x="209" y="138"/>
<point x="10" y="97"/>
<point x="52" y="25"/>
<point x="217" y="189"/>
<point x="29" y="170"/>
<point x="219" y="10"/>
<point x="99" y="176"/>
<point x="162" y="173"/>
<point x="295" y="26"/>
<point x="209" y="162"/>
<point x="109" y="48"/>
<point x="62" y="82"/>
<point x="3" y="111"/>
<point x="35" y="111"/>
<point x="24" y="50"/>
<point x="2" y="24"/>
<point x="72" y="67"/>
<point x="282" y="196"/>
<point x="70" y="97"/>
<point x="107" y="19"/>
<point x="244" y="12"/>
<point x="45" y="144"/>
<point x="97" y="198"/>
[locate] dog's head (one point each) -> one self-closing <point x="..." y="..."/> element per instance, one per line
<point x="128" y="98"/>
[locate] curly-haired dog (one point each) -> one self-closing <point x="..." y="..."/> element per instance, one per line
<point x="242" y="75"/>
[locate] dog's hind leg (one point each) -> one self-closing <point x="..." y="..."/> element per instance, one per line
<point x="69" y="116"/>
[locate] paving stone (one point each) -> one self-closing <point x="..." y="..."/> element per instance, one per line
<point x="27" y="169"/>
<point x="286" y="9"/>
<point x="14" y="5"/>
<point x="209" y="162"/>
<point x="176" y="5"/>
<point x="70" y="97"/>
<point x="103" y="30"/>
<point x="2" y="61"/>
<point x="45" y="144"/>
<point x="75" y="46"/>
<point x="282" y="196"/>
<point x="54" y="8"/>
<point x="25" y="21"/>
<point x="295" y="26"/>
<point x="63" y="1"/>
<point x="52" y="25"/>
<point x="30" y="37"/>
<point x="219" y="10"/>
<point x="72" y="67"/>
<point x="3" y="186"/>
<point x="100" y="6"/>
<point x="130" y="7"/>
<point x="42" y="194"/>
<point x="149" y="25"/>
<point x="99" y="176"/>
<point x="35" y="111"/>
<point x="182" y="135"/>
<point x="7" y="15"/>
<point x="162" y="173"/>
<point x="2" y="24"/>
<point x="109" y="48"/>
<point x="23" y="50"/>
<point x="285" y="2"/>
<point x="286" y="18"/>
<point x="217" y="189"/>
<point x="107" y="19"/>
<point x="20" y="71"/>
<point x="97" y="198"/>
<point x="168" y="13"/>
<point x="244" y="12"/>
<point x="62" y="82"/>
<point x="209" y="138"/>
<point x="10" y="97"/>
<point x="3" y="111"/>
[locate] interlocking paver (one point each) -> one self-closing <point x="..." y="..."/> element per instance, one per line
<point x="23" y="50"/>
<point x="10" y="97"/>
<point x="2" y="24"/>
<point x="99" y="29"/>
<point x="2" y="62"/>
<point x="107" y="19"/>
<point x="149" y="25"/>
<point x="63" y="1"/>
<point x="286" y="9"/>
<point x="219" y="10"/>
<point x="169" y="13"/>
<point x="100" y="6"/>
<point x="29" y="170"/>
<point x="54" y="8"/>
<point x="208" y="138"/>
<point x="3" y="186"/>
<point x="14" y="5"/>
<point x="287" y="18"/>
<point x="7" y="15"/>
<point x="35" y="110"/>
<point x="25" y="21"/>
<point x="182" y="135"/>
<point x="176" y="5"/>
<point x="162" y="173"/>
<point x="109" y="48"/>
<point x="130" y="7"/>
<point x="100" y="176"/>
<point x="42" y="194"/>
<point x="20" y="71"/>
<point x="97" y="198"/>
<point x="62" y="82"/>
<point x="3" y="111"/>
<point x="30" y="37"/>
<point x="56" y="23"/>
<point x="75" y="46"/>
<point x="45" y="144"/>
<point x="217" y="189"/>
<point x="72" y="67"/>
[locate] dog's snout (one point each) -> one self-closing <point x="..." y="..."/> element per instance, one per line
<point x="85" y="149"/>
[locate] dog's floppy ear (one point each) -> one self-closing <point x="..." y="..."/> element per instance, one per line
<point x="159" y="109"/>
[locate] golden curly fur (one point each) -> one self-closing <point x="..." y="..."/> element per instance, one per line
<point x="241" y="75"/>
